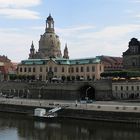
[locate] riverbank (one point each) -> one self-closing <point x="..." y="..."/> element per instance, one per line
<point x="105" y="111"/>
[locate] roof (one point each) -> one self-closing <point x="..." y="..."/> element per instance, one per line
<point x="85" y="61"/>
<point x="111" y="60"/>
<point x="62" y="61"/>
<point x="4" y="58"/>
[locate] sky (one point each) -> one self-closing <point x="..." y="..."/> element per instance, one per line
<point x="89" y="27"/>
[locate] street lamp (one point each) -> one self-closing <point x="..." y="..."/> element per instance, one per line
<point x="39" y="95"/>
<point x="14" y="92"/>
<point x="28" y="92"/>
<point x="86" y="93"/>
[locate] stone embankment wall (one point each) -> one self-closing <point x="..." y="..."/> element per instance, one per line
<point x="56" y="91"/>
<point x="96" y="111"/>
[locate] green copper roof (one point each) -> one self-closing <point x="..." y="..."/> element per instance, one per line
<point x="62" y="61"/>
<point x="84" y="61"/>
<point x="32" y="62"/>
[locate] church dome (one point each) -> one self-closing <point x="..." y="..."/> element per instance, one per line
<point x="49" y="43"/>
<point x="134" y="42"/>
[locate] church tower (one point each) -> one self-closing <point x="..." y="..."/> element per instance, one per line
<point x="66" y="53"/>
<point x="49" y="24"/>
<point x="49" y="44"/>
<point x="32" y="52"/>
<point x="131" y="57"/>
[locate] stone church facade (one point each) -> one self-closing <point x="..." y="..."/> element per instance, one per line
<point x="131" y="57"/>
<point x="49" y="44"/>
<point x="48" y="62"/>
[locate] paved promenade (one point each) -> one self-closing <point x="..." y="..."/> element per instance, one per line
<point x="96" y="105"/>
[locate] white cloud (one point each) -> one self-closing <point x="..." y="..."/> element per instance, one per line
<point x="114" y="32"/>
<point x="76" y="29"/>
<point x="17" y="9"/>
<point x="19" y="3"/>
<point x="16" y="44"/>
<point x="136" y="1"/>
<point x="83" y="41"/>
<point x="137" y="16"/>
<point x="75" y="32"/>
<point x="112" y="40"/>
<point x="19" y="13"/>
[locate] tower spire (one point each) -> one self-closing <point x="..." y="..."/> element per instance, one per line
<point x="32" y="51"/>
<point x="66" y="53"/>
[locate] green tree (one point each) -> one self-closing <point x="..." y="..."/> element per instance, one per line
<point x="77" y="77"/>
<point x="73" y="78"/>
<point x="63" y="78"/>
<point x="68" y="78"/>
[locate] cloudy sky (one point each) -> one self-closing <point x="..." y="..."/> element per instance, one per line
<point x="89" y="27"/>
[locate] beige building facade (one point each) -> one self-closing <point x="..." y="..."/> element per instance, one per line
<point x="44" y="69"/>
<point x="126" y="90"/>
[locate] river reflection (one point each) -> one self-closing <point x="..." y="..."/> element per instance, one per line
<point x="14" y="127"/>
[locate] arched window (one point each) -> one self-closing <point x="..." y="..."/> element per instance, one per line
<point x="40" y="69"/>
<point x="50" y="68"/>
<point x="132" y="88"/>
<point x="55" y="69"/>
<point x="29" y="69"/>
<point x="63" y="70"/>
<point x="87" y="69"/>
<point x="33" y="69"/>
<point x="77" y="69"/>
<point x="72" y="69"/>
<point x="20" y="69"/>
<point x="127" y="88"/>
<point x="25" y="69"/>
<point x="82" y="69"/>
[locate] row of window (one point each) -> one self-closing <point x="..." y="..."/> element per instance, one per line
<point x="127" y="95"/>
<point x="74" y="77"/>
<point x="55" y="69"/>
<point x="127" y="88"/>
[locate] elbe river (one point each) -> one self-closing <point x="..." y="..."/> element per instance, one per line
<point x="19" y="127"/>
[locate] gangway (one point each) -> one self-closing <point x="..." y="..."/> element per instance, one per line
<point x="54" y="109"/>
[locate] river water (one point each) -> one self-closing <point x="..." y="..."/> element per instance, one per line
<point x="15" y="127"/>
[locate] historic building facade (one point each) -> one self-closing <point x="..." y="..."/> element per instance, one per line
<point x="126" y="89"/>
<point x="48" y="62"/>
<point x="6" y="68"/>
<point x="44" y="69"/>
<point x="131" y="57"/>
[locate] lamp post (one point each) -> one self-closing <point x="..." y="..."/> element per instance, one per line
<point x="39" y="95"/>
<point x="14" y="92"/>
<point x="18" y="93"/>
<point x="87" y="93"/>
<point x="28" y="92"/>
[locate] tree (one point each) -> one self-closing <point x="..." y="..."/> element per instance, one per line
<point x="123" y="74"/>
<point x="68" y="78"/>
<point x="63" y="78"/>
<point x="77" y="77"/>
<point x="73" y="78"/>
